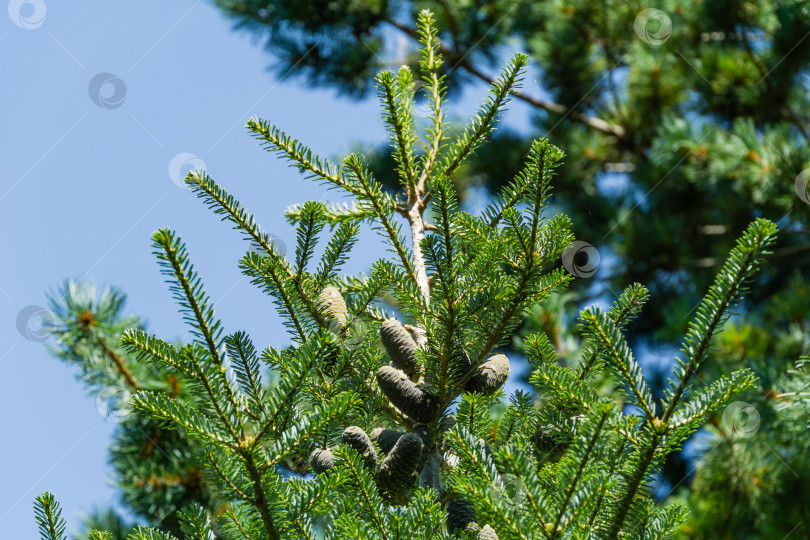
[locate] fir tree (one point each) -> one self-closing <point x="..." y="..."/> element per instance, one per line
<point x="683" y="121"/>
<point x="444" y="463"/>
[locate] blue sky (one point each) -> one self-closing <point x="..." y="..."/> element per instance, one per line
<point x="82" y="186"/>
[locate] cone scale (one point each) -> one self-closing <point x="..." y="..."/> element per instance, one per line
<point x="321" y="460"/>
<point x="461" y="516"/>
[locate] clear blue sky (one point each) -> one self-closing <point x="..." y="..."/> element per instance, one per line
<point x="82" y="187"/>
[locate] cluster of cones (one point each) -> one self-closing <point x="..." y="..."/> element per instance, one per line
<point x="406" y="453"/>
<point x="396" y="380"/>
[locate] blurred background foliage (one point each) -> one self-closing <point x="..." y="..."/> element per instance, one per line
<point x="156" y="469"/>
<point x="680" y="126"/>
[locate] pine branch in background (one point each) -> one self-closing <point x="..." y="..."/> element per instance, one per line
<point x="156" y="469"/>
<point x="405" y="440"/>
<point x="104" y="524"/>
<point x="754" y="464"/>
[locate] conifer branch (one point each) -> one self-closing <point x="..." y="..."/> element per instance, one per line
<point x="191" y="296"/>
<point x="180" y="414"/>
<point x="443" y="257"/>
<point x="518" y="302"/>
<point x="593" y="122"/>
<point x="334" y="213"/>
<point x="147" y="347"/>
<point x="639" y="473"/>
<point x="227" y="479"/>
<point x="278" y="141"/>
<point x="309" y="227"/>
<point x="430" y="63"/>
<point x="572" y="484"/>
<point x="460" y="286"/>
<point x="223" y="203"/>
<point x="395" y="93"/>
<point x="246" y="367"/>
<point x="301" y="526"/>
<point x="727" y="288"/>
<point x="252" y="265"/>
<point x="625" y="308"/>
<point x="522" y="466"/>
<point x="382" y="212"/>
<point x="260" y="500"/>
<point x="621" y="358"/>
<point x="281" y="396"/>
<point x="482" y="123"/>
<point x="48" y="515"/>
<point x="368" y="493"/>
<point x="614" y="463"/>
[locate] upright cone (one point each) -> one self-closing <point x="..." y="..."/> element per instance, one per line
<point x="445" y="424"/>
<point x="332" y="308"/>
<point x="406" y="395"/>
<point x="396" y="470"/>
<point x="489" y="376"/>
<point x="487" y="533"/>
<point x="465" y="362"/>
<point x="321" y="460"/>
<point x="399" y="345"/>
<point x="386" y="438"/>
<point x="357" y="439"/>
<point x="544" y="439"/>
<point x="460" y="516"/>
<point x="548" y="438"/>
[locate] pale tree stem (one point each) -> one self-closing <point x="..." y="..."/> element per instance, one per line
<point x="429" y="478"/>
<point x="430" y="474"/>
<point x="417" y="224"/>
